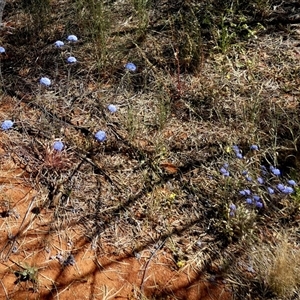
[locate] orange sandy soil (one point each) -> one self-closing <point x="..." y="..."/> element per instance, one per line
<point x="27" y="239"/>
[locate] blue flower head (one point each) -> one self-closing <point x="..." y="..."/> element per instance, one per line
<point x="281" y="187"/>
<point x="260" y="180"/>
<point x="45" y="81"/>
<point x="270" y="190"/>
<point x="100" y="136"/>
<point x="275" y="171"/>
<point x="112" y="108"/>
<point x="71" y="60"/>
<point x="59" y="44"/>
<point x="232" y="207"/>
<point x="2" y="50"/>
<point x="248" y="178"/>
<point x="72" y="38"/>
<point x="130" y="67"/>
<point x="259" y="204"/>
<point x="288" y="190"/>
<point x="256" y="198"/>
<point x="7" y="124"/>
<point x="249" y="201"/>
<point x="224" y="171"/>
<point x="292" y="182"/>
<point x="239" y="155"/>
<point x="254" y="147"/>
<point x="58" y="146"/>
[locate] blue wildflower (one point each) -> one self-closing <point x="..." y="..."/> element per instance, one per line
<point x="249" y="201"/>
<point x="7" y="124"/>
<point x="254" y="147"/>
<point x="247" y="191"/>
<point x="45" y="81"/>
<point x="224" y="171"/>
<point x="235" y="148"/>
<point x="259" y="204"/>
<point x="270" y="190"/>
<point x="248" y="178"/>
<point x="281" y="186"/>
<point x="231" y="213"/>
<point x="232" y="207"/>
<point x="256" y="198"/>
<point x="100" y="136"/>
<point x="112" y="108"/>
<point x="288" y="190"/>
<point x="275" y="171"/>
<point x="243" y="193"/>
<point x="71" y="60"/>
<point x="2" y="50"/>
<point x="72" y="38"/>
<point x="260" y="180"/>
<point x="226" y="165"/>
<point x="292" y="182"/>
<point x="59" y="44"/>
<point x="130" y="67"/>
<point x="58" y="146"/>
<point x="239" y="155"/>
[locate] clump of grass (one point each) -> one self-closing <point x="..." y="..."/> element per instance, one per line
<point x="278" y="266"/>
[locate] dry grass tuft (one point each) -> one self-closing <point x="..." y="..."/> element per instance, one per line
<point x="278" y="266"/>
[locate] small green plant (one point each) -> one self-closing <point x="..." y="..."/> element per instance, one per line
<point x="27" y="273"/>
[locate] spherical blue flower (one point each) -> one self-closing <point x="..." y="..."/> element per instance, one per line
<point x="292" y="182"/>
<point x="231" y="213"/>
<point x="239" y="155"/>
<point x="256" y="198"/>
<point x="72" y="38"/>
<point x="248" y="178"/>
<point x="112" y="108"/>
<point x="232" y="207"/>
<point x="7" y="124"/>
<point x="270" y="190"/>
<point x="245" y="192"/>
<point x="242" y="192"/>
<point x="71" y="60"/>
<point x="224" y="171"/>
<point x="260" y="180"/>
<point x="249" y="201"/>
<point x="236" y="148"/>
<point x="275" y="171"/>
<point x="45" y="81"/>
<point x="281" y="186"/>
<point x="100" y="136"/>
<point x="58" y="146"/>
<point x="130" y="67"/>
<point x="254" y="147"/>
<point x="58" y="44"/>
<point x="2" y="50"/>
<point x="259" y="204"/>
<point x="226" y="165"/>
<point x="288" y="190"/>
